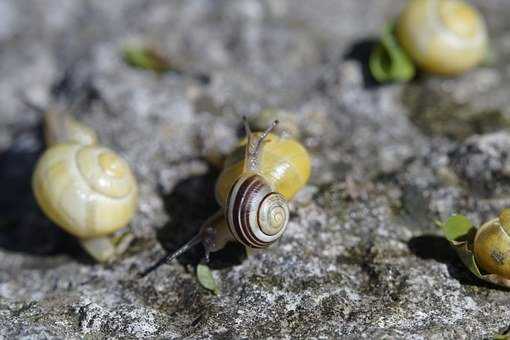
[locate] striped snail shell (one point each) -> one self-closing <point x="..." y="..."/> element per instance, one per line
<point x="256" y="215"/>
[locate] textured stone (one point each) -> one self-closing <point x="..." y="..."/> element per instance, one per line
<point x="362" y="256"/>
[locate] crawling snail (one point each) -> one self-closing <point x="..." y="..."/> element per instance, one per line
<point x="446" y="37"/>
<point x="85" y="188"/>
<point x="486" y="250"/>
<point x="258" y="179"/>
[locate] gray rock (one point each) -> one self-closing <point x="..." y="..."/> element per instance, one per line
<point x="362" y="257"/>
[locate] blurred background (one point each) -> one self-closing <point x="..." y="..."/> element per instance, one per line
<point x="362" y="256"/>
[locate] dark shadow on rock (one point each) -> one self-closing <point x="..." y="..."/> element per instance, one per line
<point x="23" y="226"/>
<point x="191" y="202"/>
<point x="432" y="247"/>
<point x="437" y="248"/>
<point x="360" y="51"/>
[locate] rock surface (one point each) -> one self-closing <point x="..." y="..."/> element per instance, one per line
<point x="362" y="256"/>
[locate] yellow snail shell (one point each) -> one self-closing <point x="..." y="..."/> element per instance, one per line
<point x="443" y="36"/>
<point x="84" y="188"/>
<point x="87" y="190"/>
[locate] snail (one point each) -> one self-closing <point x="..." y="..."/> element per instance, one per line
<point x="485" y="250"/>
<point x="445" y="37"/>
<point x="258" y="179"/>
<point x="86" y="189"/>
<point x="492" y="245"/>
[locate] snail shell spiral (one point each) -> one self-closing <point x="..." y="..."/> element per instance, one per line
<point x="256" y="215"/>
<point x="443" y="36"/>
<point x="87" y="190"/>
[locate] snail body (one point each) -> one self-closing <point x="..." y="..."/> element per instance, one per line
<point x="492" y="245"/>
<point x="258" y="179"/>
<point x="442" y="36"/>
<point x="60" y="127"/>
<point x="86" y="189"/>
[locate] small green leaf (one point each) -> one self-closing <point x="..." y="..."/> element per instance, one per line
<point x="388" y="61"/>
<point x="456" y="227"/>
<point x="460" y="232"/>
<point x="146" y="58"/>
<point x="206" y="279"/>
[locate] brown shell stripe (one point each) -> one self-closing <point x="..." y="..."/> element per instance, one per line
<point x="241" y="228"/>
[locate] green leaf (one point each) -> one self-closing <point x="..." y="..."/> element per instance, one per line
<point x="459" y="230"/>
<point x="388" y="61"/>
<point x="206" y="279"/>
<point x="456" y="227"/>
<point x="146" y="58"/>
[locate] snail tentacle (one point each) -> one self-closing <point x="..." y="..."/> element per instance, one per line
<point x="253" y="147"/>
<point x="169" y="257"/>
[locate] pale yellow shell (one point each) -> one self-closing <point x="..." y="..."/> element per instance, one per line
<point x="87" y="190"/>
<point x="443" y="36"/>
